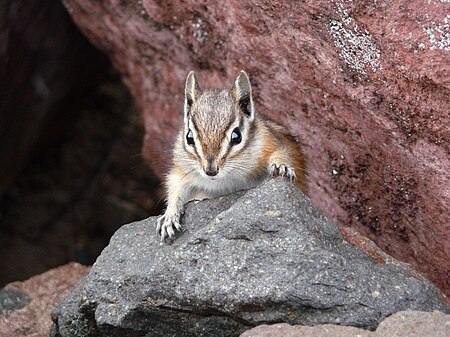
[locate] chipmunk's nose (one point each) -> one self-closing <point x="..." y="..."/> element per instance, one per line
<point x="211" y="169"/>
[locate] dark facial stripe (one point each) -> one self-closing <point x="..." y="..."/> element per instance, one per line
<point x="194" y="124"/>
<point x="187" y="151"/>
<point x="229" y="144"/>
<point x="250" y="136"/>
<point x="184" y="142"/>
<point x="227" y="135"/>
<point x="247" y="141"/>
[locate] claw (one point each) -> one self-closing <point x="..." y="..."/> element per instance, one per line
<point x="282" y="171"/>
<point x="273" y="170"/>
<point x="159" y="222"/>
<point x="170" y="231"/>
<point x="167" y="225"/>
<point x="163" y="235"/>
<point x="291" y="175"/>
<point x="177" y="225"/>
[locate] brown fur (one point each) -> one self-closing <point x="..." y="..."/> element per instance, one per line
<point x="280" y="144"/>
<point x="209" y="162"/>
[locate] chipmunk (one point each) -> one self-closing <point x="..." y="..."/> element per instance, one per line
<point x="224" y="147"/>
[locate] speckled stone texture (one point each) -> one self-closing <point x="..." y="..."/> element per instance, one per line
<point x="402" y="324"/>
<point x="364" y="85"/>
<point x="261" y="256"/>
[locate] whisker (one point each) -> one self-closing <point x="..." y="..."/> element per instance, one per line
<point x="160" y="199"/>
<point x="136" y="155"/>
<point x="137" y="165"/>
<point x="185" y="175"/>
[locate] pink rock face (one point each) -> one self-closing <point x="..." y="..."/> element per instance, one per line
<point x="364" y="85"/>
<point x="404" y="323"/>
<point x="41" y="295"/>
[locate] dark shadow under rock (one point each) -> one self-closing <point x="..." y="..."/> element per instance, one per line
<point x="261" y="256"/>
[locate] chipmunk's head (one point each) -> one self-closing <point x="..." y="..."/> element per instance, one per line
<point x="217" y="124"/>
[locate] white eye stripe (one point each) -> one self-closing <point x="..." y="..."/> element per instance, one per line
<point x="198" y="146"/>
<point x="227" y="146"/>
<point x="191" y="148"/>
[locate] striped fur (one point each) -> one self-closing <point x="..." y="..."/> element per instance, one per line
<point x="213" y="165"/>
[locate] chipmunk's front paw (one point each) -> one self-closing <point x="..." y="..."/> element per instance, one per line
<point x="166" y="225"/>
<point x="282" y="171"/>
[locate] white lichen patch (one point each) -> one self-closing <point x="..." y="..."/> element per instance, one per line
<point x="273" y="214"/>
<point x="439" y="34"/>
<point x="199" y="30"/>
<point x="356" y="48"/>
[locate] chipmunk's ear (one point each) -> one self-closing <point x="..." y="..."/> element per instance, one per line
<point x="191" y="92"/>
<point x="242" y="93"/>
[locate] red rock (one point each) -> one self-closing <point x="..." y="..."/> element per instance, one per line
<point x="404" y="323"/>
<point x="43" y="292"/>
<point x="364" y="85"/>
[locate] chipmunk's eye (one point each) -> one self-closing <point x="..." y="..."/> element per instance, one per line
<point x="190" y="137"/>
<point x="236" y="136"/>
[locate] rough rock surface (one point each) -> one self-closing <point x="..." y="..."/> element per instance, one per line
<point x="261" y="256"/>
<point x="402" y="324"/>
<point x="25" y="307"/>
<point x="363" y="84"/>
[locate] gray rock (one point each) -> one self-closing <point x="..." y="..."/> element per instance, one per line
<point x="266" y="255"/>
<point x="11" y="300"/>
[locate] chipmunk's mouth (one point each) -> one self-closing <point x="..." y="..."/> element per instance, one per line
<point x="211" y="172"/>
<point x="214" y="178"/>
<point x="210" y="177"/>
